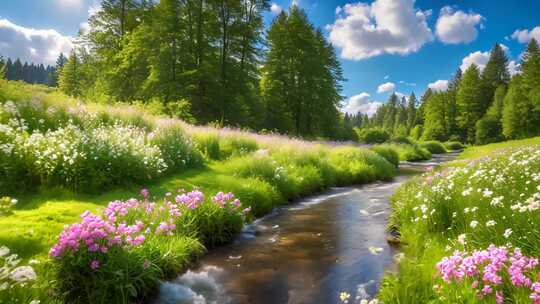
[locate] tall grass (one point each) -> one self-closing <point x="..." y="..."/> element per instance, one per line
<point x="467" y="207"/>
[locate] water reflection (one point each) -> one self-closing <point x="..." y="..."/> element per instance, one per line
<point x="308" y="252"/>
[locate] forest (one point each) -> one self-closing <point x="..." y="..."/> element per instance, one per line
<point x="479" y="107"/>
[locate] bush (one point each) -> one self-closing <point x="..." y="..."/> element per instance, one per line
<point x="237" y="146"/>
<point x="209" y="144"/>
<point x="373" y="135"/>
<point x="388" y="152"/>
<point x="416" y="132"/>
<point x="433" y="146"/>
<point x="453" y="145"/>
<point x="410" y="152"/>
<point x="358" y="166"/>
<point x="403" y="140"/>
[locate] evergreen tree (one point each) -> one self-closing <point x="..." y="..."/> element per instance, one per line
<point x="489" y="128"/>
<point x="518" y="119"/>
<point x="451" y="117"/>
<point x="530" y="66"/>
<point x="494" y="74"/>
<point x="70" y="76"/>
<point x="2" y="68"/>
<point x="411" y="112"/>
<point x="469" y="103"/>
<point x="435" y="117"/>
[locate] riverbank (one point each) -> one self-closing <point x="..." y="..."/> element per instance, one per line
<point x="55" y="181"/>
<point x="469" y="230"/>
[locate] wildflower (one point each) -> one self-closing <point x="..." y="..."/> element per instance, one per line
<point x="507" y="233"/>
<point x="94" y="264"/>
<point x="23" y="274"/>
<point x="344" y="297"/>
<point x="490" y="223"/>
<point x="461" y="239"/>
<point x="487" y="193"/>
<point x="473" y="224"/>
<point x="145" y="193"/>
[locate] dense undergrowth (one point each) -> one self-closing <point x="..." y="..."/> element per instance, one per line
<point x="61" y="158"/>
<point x="469" y="230"/>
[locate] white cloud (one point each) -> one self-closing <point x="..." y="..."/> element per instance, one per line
<point x="401" y="96"/>
<point x="481" y="58"/>
<point x="362" y="30"/>
<point x="439" y="85"/>
<point x="455" y="27"/>
<point x="295" y="2"/>
<point x="411" y="84"/>
<point x="362" y="103"/>
<point x="386" y="87"/>
<point x="524" y="36"/>
<point x="275" y="9"/>
<point x="386" y="77"/>
<point x="35" y="45"/>
<point x="93" y="9"/>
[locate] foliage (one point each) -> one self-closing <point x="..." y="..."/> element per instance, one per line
<point x="359" y="166"/>
<point x="453" y="145"/>
<point x="433" y="146"/>
<point x="465" y="208"/>
<point x="388" y="152"/>
<point x="408" y="152"/>
<point x="373" y="135"/>
<point x="123" y="252"/>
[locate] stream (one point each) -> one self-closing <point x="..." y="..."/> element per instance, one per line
<point x="306" y="252"/>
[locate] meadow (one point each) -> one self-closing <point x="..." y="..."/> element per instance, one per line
<point x="73" y="208"/>
<point x="469" y="230"/>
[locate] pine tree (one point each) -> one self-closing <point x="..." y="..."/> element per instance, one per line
<point x="435" y="117"/>
<point x="469" y="103"/>
<point x="451" y="119"/>
<point x="495" y="73"/>
<point x="518" y="119"/>
<point x="489" y="128"/>
<point x="530" y="66"/>
<point x="2" y="68"/>
<point x="70" y="76"/>
<point x="411" y="112"/>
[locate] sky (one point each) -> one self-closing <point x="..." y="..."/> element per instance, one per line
<point x="384" y="46"/>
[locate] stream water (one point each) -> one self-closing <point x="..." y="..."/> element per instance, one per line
<point x="306" y="252"/>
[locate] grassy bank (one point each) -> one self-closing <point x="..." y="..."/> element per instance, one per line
<point x="61" y="157"/>
<point x="469" y="230"/>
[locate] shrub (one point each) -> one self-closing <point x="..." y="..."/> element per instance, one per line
<point x="410" y="152"/>
<point x="237" y="146"/>
<point x="433" y="146"/>
<point x="403" y="140"/>
<point x="357" y="166"/>
<point x="453" y="145"/>
<point x="388" y="152"/>
<point x="416" y="132"/>
<point x="373" y="135"/>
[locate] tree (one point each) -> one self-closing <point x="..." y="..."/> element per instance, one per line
<point x="530" y="66"/>
<point x="469" y="103"/>
<point x="70" y="76"/>
<point x="2" y="68"/>
<point x="54" y="74"/>
<point x="451" y="117"/>
<point x="301" y="78"/>
<point x="411" y="112"/>
<point x="518" y="119"/>
<point x="494" y="74"/>
<point x="489" y="128"/>
<point x="435" y="117"/>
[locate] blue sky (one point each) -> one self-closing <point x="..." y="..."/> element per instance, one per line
<point x="404" y="43"/>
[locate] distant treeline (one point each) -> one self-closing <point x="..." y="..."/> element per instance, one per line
<point x="28" y="72"/>
<point x="478" y="107"/>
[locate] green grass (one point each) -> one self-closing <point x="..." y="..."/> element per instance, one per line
<point x="479" y="151"/>
<point x="431" y="211"/>
<point x="408" y="152"/>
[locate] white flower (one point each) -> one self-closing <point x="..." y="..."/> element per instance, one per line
<point x="497" y="201"/>
<point x="490" y="223"/>
<point x="473" y="224"/>
<point x="507" y="233"/>
<point x="4" y="251"/>
<point x="487" y="192"/>
<point x="23" y="274"/>
<point x="461" y="239"/>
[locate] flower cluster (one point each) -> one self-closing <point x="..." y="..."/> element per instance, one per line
<point x="487" y="270"/>
<point x="13" y="275"/>
<point x="129" y="223"/>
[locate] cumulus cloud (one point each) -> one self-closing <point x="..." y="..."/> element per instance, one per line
<point x="93" y="9"/>
<point x="455" y="27"/>
<point x="362" y="103"/>
<point x="35" y="45"/>
<point x="439" y="85"/>
<point x="481" y="58"/>
<point x="275" y="9"/>
<point x="364" y="30"/>
<point x="524" y="36"/>
<point x="386" y="87"/>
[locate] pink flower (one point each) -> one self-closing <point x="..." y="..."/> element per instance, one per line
<point x="94" y="264"/>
